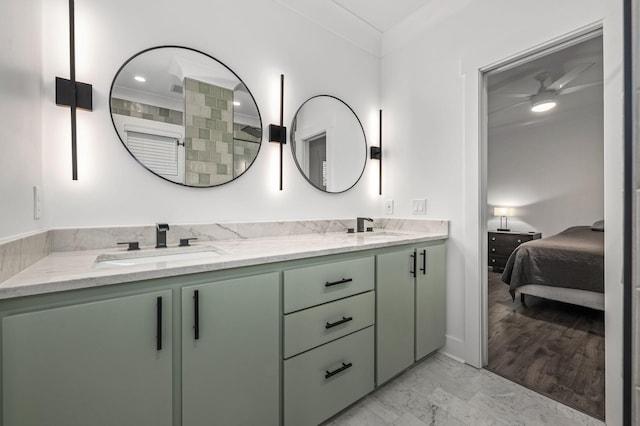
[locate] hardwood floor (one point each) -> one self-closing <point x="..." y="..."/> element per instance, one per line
<point x="553" y="348"/>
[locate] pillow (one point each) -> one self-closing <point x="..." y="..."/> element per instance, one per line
<point x="598" y="225"/>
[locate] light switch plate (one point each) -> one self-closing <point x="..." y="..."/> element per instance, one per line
<point x="419" y="206"/>
<point x="388" y="207"/>
<point x="37" y="202"/>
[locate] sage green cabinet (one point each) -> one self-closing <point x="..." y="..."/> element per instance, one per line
<point x="328" y="318"/>
<point x="231" y="352"/>
<point x="430" y="299"/>
<point x="313" y="285"/>
<point x="395" y="320"/>
<point x="411" y="300"/>
<point x="100" y="363"/>
<point x="321" y="382"/>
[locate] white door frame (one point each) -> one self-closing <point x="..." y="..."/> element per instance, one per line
<point x="474" y="70"/>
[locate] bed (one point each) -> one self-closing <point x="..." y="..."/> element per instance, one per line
<point x="568" y="267"/>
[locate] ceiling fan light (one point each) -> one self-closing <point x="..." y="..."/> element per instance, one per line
<point x="542" y="102"/>
<point x="543" y="106"/>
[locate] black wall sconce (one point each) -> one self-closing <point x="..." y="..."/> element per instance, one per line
<point x="375" y="153"/>
<point x="72" y="93"/>
<point x="277" y="133"/>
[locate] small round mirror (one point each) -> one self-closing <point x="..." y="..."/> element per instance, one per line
<point x="185" y="116"/>
<point x="328" y="143"/>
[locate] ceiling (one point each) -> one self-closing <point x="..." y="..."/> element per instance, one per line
<point x="381" y="15"/>
<point x="508" y="103"/>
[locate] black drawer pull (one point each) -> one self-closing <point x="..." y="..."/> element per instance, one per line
<point x="424" y="262"/>
<point x="196" y="314"/>
<point x="342" y="281"/>
<point x="338" y="370"/>
<point x="413" y="272"/>
<point x="342" y="321"/>
<point x="159" y="323"/>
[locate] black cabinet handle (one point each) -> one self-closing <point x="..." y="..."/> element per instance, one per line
<point x="159" y="323"/>
<point x="342" y="281"/>
<point x="337" y="370"/>
<point x="342" y="321"/>
<point x="424" y="262"/>
<point x="413" y="272"/>
<point x="196" y="314"/>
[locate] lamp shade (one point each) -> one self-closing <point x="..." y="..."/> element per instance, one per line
<point x="502" y="211"/>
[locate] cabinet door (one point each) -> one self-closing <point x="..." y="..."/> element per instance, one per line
<point x="395" y="313"/>
<point x="430" y="300"/>
<point x="230" y="352"/>
<point x="90" y="364"/>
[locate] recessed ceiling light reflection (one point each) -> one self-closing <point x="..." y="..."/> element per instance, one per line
<point x="140" y="79"/>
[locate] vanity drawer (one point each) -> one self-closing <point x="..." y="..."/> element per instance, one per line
<point x="310" y="396"/>
<point x="313" y="327"/>
<point x="314" y="285"/>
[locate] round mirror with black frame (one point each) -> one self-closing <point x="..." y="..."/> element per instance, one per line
<point x="328" y="144"/>
<point x="185" y="116"/>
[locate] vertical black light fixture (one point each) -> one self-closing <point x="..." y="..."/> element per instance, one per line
<point x="628" y="261"/>
<point x="375" y="153"/>
<point x="279" y="133"/>
<point x="72" y="93"/>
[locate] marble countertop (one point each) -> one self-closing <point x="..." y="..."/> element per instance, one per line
<point x="70" y="270"/>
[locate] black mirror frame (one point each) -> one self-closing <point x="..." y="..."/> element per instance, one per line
<point x="214" y="59"/>
<point x="292" y="141"/>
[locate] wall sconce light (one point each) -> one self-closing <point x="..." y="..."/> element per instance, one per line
<point x="375" y="153"/>
<point x="277" y="133"/>
<point x="72" y="93"/>
<point x="503" y="212"/>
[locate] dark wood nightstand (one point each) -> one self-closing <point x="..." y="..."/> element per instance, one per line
<point x="502" y="244"/>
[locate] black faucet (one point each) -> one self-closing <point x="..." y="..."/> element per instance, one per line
<point x="161" y="235"/>
<point x="360" y="223"/>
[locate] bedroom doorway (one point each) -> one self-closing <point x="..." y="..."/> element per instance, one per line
<point x="545" y="176"/>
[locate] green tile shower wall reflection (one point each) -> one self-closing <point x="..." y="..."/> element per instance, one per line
<point x="145" y="111"/>
<point x="209" y="133"/>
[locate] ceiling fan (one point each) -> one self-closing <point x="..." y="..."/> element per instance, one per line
<point x="545" y="98"/>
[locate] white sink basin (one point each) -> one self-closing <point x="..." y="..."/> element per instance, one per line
<point x="173" y="254"/>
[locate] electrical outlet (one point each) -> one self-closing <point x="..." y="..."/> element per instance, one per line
<point x="388" y="207"/>
<point x="419" y="206"/>
<point x="37" y="202"/>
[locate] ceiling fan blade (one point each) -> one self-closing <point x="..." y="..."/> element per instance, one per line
<point x="509" y="106"/>
<point x="560" y="83"/>
<point x="578" y="88"/>
<point x="513" y="95"/>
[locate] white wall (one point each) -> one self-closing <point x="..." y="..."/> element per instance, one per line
<point x="20" y="116"/>
<point x="259" y="40"/>
<point x="551" y="172"/>
<point x="430" y="98"/>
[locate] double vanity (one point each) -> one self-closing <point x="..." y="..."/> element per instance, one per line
<point x="265" y="330"/>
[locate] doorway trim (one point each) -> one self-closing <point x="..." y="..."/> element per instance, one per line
<point x="525" y="57"/>
<point x="475" y="180"/>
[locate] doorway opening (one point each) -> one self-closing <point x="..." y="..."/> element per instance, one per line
<point x="545" y="179"/>
<point x="316" y="161"/>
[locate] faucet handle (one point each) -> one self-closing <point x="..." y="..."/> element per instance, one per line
<point x="184" y="242"/>
<point x="133" y="245"/>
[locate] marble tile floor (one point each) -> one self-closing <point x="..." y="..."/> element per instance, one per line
<point x="441" y="391"/>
